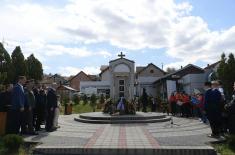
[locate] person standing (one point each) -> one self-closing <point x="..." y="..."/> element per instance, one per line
<point x="172" y="101"/>
<point x="29" y="107"/>
<point x="57" y="113"/>
<point x="41" y="107"/>
<point x="51" y="106"/>
<point x="230" y="107"/>
<point x="154" y="105"/>
<point x="6" y="98"/>
<point x="17" y="108"/>
<point x="212" y="99"/>
<point x="144" y="100"/>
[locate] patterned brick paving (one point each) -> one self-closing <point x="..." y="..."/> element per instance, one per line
<point x="185" y="132"/>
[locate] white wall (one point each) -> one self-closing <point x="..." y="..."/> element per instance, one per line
<point x="193" y="81"/>
<point x="106" y="76"/>
<point x="94" y="84"/>
<point x="171" y="87"/>
<point x="122" y="68"/>
<point x="144" y="79"/>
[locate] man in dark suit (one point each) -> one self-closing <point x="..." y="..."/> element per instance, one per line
<point x="51" y="105"/>
<point x="212" y="108"/>
<point x="17" y="107"/>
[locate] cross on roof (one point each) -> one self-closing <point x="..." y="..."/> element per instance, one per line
<point x="121" y="55"/>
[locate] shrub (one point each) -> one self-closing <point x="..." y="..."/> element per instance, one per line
<point x="93" y="101"/>
<point x="85" y="99"/>
<point x="231" y="141"/>
<point x="76" y="99"/>
<point x="12" y="142"/>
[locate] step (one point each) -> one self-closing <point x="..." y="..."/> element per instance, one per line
<point x="163" y="150"/>
<point x="122" y="121"/>
<point x="121" y="117"/>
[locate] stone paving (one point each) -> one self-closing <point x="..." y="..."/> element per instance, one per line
<point x="184" y="132"/>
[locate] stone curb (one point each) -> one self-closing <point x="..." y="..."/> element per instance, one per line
<point x="122" y="121"/>
<point x="162" y="150"/>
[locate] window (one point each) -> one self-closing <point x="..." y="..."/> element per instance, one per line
<point x="151" y="71"/>
<point x="121" y="88"/>
<point x="121" y="82"/>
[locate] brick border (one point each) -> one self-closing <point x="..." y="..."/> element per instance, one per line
<point x="122" y="137"/>
<point x="150" y="138"/>
<point x="94" y="138"/>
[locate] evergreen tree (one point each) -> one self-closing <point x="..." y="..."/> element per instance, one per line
<point x="18" y="63"/>
<point x="34" y="68"/>
<point x="6" y="72"/>
<point x="226" y="73"/>
<point x="93" y="101"/>
<point x="231" y="73"/>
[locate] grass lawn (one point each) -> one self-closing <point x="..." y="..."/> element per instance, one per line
<point x="227" y="147"/>
<point x="80" y="108"/>
<point x="224" y="149"/>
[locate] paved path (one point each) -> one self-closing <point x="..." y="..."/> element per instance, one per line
<point x="184" y="132"/>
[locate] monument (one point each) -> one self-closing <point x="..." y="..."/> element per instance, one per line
<point x="122" y="78"/>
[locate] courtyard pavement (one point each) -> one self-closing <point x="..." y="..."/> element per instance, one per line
<point x="184" y="132"/>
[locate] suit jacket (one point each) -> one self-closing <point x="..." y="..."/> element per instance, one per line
<point x="51" y="99"/>
<point x="18" y="97"/>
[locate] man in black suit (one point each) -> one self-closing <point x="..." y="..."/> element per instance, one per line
<point x="51" y="105"/>
<point x="17" y="107"/>
<point x="212" y="107"/>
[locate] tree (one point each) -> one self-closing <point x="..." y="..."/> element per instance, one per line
<point x="170" y="70"/>
<point x="226" y="72"/>
<point x="102" y="99"/>
<point x="93" y="101"/>
<point x="84" y="99"/>
<point x="76" y="99"/>
<point x="231" y="73"/>
<point x="6" y="72"/>
<point x="18" y="63"/>
<point x="34" y="68"/>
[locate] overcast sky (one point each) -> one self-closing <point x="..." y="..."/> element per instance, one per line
<point x="68" y="36"/>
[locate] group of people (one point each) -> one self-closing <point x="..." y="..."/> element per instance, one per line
<point x="29" y="106"/>
<point x="182" y="105"/>
<point x="211" y="107"/>
<point x="220" y="114"/>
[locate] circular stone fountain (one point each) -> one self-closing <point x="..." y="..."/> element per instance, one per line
<point x="140" y="117"/>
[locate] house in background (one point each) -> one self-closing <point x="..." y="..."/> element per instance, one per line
<point x="65" y="91"/>
<point x="122" y="78"/>
<point x="186" y="79"/>
<point x="210" y="71"/>
<point x="75" y="81"/>
<point x="53" y="80"/>
<point x="144" y="78"/>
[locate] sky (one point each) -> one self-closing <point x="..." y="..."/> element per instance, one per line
<point x="68" y="36"/>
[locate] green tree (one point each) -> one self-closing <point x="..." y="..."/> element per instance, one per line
<point x="76" y="99"/>
<point x="170" y="70"/>
<point x="102" y="99"/>
<point x="34" y="68"/>
<point x="231" y="70"/>
<point x="93" y="101"/>
<point x="226" y="72"/>
<point x="85" y="99"/>
<point x="5" y="66"/>
<point x="18" y="63"/>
